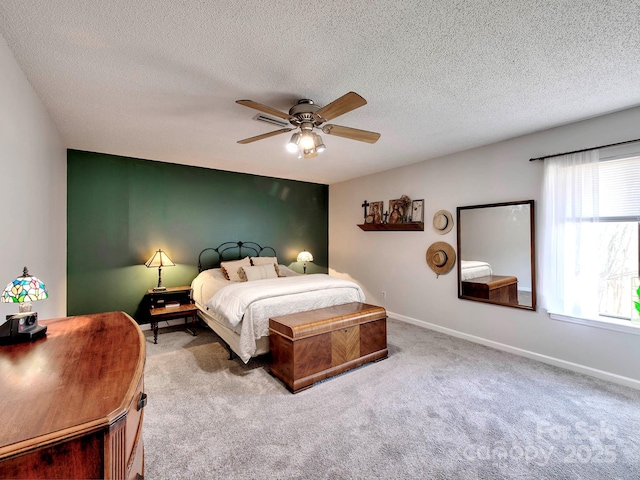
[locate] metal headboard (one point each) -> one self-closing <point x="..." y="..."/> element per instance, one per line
<point x="234" y="251"/>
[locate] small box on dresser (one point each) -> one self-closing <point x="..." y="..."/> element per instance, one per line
<point x="310" y="346"/>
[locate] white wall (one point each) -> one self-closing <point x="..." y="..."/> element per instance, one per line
<point x="395" y="261"/>
<point x="33" y="184"/>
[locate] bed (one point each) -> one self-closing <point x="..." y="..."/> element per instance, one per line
<point x="470" y="269"/>
<point x="236" y="293"/>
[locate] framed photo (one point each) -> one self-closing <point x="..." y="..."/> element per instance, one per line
<point x="417" y="211"/>
<point x="376" y="211"/>
<point x="396" y="211"/>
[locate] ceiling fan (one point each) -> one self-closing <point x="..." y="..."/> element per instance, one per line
<point x="306" y="116"/>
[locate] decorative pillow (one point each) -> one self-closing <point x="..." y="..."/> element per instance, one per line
<point x="230" y="269"/>
<point x="255" y="261"/>
<point x="259" y="272"/>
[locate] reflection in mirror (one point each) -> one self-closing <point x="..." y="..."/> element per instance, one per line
<point x="496" y="252"/>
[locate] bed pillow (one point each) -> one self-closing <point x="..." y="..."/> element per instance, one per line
<point x="214" y="273"/>
<point x="230" y="269"/>
<point x="256" y="261"/>
<point x="284" y="271"/>
<point x="259" y="272"/>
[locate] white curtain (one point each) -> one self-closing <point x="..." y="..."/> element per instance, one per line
<point x="568" y="269"/>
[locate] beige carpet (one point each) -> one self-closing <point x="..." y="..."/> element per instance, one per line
<point x="438" y="407"/>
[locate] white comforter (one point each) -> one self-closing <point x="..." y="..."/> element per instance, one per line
<point x="471" y="269"/>
<point x="247" y="306"/>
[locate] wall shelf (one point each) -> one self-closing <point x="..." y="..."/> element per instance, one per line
<point x="392" y="227"/>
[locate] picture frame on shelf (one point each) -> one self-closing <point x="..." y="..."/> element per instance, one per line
<point x="417" y="211"/>
<point x="377" y="211"/>
<point x="396" y="211"/>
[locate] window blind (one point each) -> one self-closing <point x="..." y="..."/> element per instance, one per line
<point x="619" y="188"/>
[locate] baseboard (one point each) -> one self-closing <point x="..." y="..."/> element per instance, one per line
<point x="163" y="324"/>
<point x="574" y="367"/>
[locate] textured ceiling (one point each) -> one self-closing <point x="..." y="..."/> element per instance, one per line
<point x="159" y="79"/>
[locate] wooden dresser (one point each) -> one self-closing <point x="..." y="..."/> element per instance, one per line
<point x="310" y="346"/>
<point x="71" y="404"/>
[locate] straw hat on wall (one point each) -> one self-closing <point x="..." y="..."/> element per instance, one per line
<point x="443" y="221"/>
<point x="441" y="257"/>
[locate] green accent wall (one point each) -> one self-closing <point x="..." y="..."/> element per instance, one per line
<point x="120" y="210"/>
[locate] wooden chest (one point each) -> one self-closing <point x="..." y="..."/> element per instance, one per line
<point x="499" y="288"/>
<point x="310" y="346"/>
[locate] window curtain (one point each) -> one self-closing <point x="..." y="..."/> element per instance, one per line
<point x="568" y="269"/>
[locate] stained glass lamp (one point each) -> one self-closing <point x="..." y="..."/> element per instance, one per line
<point x="305" y="257"/>
<point x="159" y="259"/>
<point x="24" y="290"/>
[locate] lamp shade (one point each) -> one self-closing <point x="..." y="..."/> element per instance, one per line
<point x="307" y="142"/>
<point x="24" y="289"/>
<point x="292" y="146"/>
<point x="305" y="256"/>
<point x="159" y="259"/>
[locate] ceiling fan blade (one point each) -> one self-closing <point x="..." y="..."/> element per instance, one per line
<point x="265" y="135"/>
<point x="264" y="108"/>
<point x="342" y="105"/>
<point x="352" y="133"/>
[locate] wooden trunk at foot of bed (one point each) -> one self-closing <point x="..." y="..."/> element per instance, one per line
<point x="498" y="288"/>
<point x="310" y="346"/>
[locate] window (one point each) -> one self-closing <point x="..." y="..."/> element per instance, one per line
<point x="616" y="267"/>
<point x="591" y="233"/>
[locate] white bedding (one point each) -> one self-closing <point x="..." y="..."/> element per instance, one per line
<point x="471" y="269"/>
<point x="246" y="307"/>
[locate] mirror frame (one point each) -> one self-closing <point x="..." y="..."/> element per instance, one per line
<point x="532" y="253"/>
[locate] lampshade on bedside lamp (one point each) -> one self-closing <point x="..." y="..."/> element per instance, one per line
<point x="305" y="257"/>
<point x="159" y="259"/>
<point x="24" y="290"/>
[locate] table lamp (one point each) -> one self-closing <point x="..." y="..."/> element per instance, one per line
<point x="23" y="326"/>
<point x="159" y="259"/>
<point x="305" y="257"/>
<point x="24" y="290"/>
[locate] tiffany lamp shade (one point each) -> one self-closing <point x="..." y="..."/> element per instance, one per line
<point x="24" y="290"/>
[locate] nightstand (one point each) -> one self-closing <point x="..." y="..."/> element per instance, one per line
<point x="173" y="302"/>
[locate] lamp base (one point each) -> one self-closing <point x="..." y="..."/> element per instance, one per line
<point x="24" y="307"/>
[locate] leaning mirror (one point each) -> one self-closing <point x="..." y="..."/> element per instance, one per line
<point x="496" y="252"/>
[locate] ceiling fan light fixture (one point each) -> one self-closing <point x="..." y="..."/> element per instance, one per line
<point x="292" y="146"/>
<point x="306" y="116"/>
<point x="307" y="142"/>
<point x="320" y="147"/>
